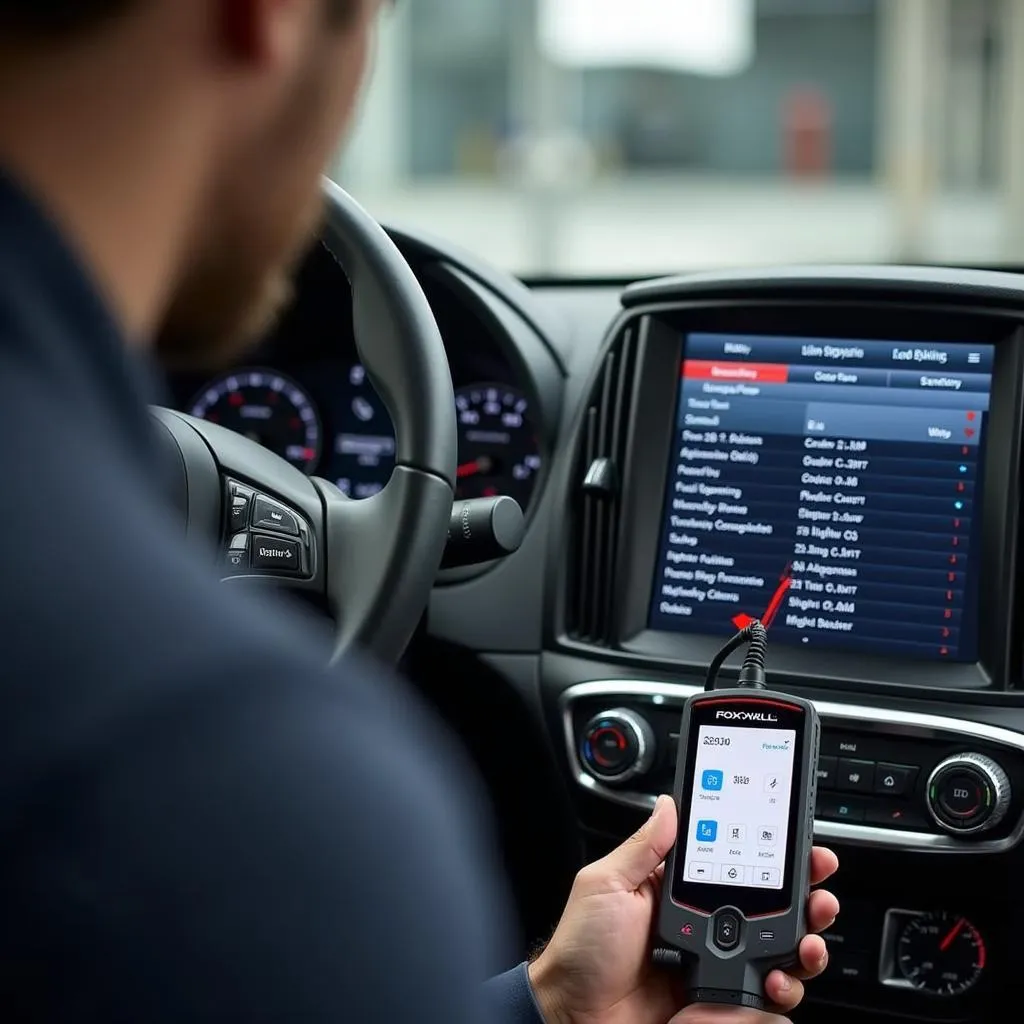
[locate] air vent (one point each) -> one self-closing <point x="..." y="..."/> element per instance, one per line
<point x="596" y="497"/>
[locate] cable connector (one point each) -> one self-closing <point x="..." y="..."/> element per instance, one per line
<point x="752" y="674"/>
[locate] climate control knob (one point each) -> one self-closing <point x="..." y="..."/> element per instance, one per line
<point x="968" y="793"/>
<point x="617" y="746"/>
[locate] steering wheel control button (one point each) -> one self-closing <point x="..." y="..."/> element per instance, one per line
<point x="726" y="933"/>
<point x="855" y="776"/>
<point x="239" y="501"/>
<point x="275" y="554"/>
<point x="968" y="793"/>
<point x="268" y="514"/>
<point x="895" y="779"/>
<point x="237" y="556"/>
<point x="617" y="745"/>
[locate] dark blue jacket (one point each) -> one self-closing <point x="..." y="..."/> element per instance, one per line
<point x="198" y="820"/>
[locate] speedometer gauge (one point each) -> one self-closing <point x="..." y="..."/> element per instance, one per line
<point x="499" y="453"/>
<point x="267" y="407"/>
<point x="941" y="954"/>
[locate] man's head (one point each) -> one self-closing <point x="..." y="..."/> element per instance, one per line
<point x="259" y="93"/>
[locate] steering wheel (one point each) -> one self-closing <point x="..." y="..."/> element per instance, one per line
<point x="373" y="561"/>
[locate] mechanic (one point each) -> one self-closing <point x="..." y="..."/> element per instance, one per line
<point x="201" y="821"/>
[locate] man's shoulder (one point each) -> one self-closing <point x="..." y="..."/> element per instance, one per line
<point x="111" y="614"/>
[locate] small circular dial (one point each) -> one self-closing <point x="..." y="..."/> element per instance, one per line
<point x="968" y="793"/>
<point x="267" y="407"/>
<point x="941" y="954"/>
<point x="617" y="745"/>
<point x="498" y="449"/>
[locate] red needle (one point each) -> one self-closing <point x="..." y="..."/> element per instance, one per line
<point x="953" y="933"/>
<point x="468" y="469"/>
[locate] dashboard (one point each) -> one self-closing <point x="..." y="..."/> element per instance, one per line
<point x="836" y="451"/>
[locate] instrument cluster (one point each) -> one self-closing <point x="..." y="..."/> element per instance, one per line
<point x="305" y="395"/>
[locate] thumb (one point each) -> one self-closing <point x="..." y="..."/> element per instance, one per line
<point x="631" y="863"/>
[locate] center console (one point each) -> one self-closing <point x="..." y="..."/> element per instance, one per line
<point x="836" y="453"/>
<point x="886" y="778"/>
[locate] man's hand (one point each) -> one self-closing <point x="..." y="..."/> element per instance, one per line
<point x="597" y="968"/>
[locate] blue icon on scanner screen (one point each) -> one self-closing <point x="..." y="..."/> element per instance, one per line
<point x="712" y="780"/>
<point x="707" y="831"/>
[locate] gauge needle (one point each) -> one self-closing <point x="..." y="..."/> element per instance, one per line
<point x="953" y="933"/>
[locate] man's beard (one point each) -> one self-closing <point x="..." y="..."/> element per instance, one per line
<point x="221" y="314"/>
<point x="230" y="299"/>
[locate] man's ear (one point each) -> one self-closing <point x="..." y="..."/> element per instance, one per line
<point x="259" y="32"/>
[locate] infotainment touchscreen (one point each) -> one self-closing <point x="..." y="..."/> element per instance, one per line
<point x="831" y="488"/>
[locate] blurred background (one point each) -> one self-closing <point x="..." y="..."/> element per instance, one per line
<point x="622" y="138"/>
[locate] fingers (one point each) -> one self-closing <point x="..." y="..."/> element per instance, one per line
<point x="783" y="991"/>
<point x="631" y="864"/>
<point x="824" y="864"/>
<point x="822" y="910"/>
<point x="786" y="991"/>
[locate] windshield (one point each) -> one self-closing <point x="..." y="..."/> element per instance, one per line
<point x="602" y="138"/>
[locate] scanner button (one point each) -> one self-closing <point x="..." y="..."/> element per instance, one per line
<point x="727" y="930"/>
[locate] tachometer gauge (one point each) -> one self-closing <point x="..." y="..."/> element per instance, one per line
<point x="268" y="408"/>
<point x="941" y="954"/>
<point x="499" y="452"/>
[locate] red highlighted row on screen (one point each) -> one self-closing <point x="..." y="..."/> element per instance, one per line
<point x="739" y="373"/>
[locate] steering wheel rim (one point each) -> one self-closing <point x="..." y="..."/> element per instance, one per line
<point x="373" y="560"/>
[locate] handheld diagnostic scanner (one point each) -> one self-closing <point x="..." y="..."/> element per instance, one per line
<point x="737" y="882"/>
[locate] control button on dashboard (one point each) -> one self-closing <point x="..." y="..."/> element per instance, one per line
<point x="837" y="809"/>
<point x="968" y="793"/>
<point x="895" y="779"/>
<point x="898" y="816"/>
<point x="268" y="514"/>
<point x="855" y="776"/>
<point x="960" y="796"/>
<point x="827" y="769"/>
<point x="841" y="745"/>
<point x="727" y="930"/>
<point x="275" y="554"/>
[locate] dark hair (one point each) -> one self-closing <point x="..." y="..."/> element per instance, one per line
<point x="58" y="18"/>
